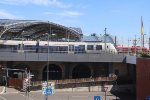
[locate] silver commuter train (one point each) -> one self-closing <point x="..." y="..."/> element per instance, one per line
<point x="56" y="47"/>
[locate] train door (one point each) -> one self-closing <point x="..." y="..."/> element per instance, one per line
<point x="21" y="47"/>
<point x="71" y="48"/>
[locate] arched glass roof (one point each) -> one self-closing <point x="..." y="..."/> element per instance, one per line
<point x="36" y="30"/>
<point x="94" y="38"/>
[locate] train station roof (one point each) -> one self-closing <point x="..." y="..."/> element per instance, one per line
<point x="104" y="38"/>
<point x="37" y="30"/>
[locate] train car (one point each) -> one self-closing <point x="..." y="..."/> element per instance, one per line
<point x="56" y="47"/>
<point x="133" y="49"/>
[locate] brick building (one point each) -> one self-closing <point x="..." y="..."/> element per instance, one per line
<point x="143" y="78"/>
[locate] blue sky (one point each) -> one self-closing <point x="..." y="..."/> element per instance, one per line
<point x="120" y="17"/>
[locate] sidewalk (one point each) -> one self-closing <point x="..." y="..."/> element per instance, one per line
<point x="4" y="90"/>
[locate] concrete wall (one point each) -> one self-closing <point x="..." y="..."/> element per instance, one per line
<point x="67" y="68"/>
<point x="121" y="67"/>
<point x="62" y="57"/>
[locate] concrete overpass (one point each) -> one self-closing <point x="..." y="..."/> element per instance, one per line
<point x="62" y="57"/>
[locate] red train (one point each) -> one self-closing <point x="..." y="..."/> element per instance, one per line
<point x="132" y="49"/>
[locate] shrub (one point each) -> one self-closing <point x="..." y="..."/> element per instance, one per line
<point x="145" y="55"/>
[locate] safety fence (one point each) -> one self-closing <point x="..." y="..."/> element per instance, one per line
<point x="17" y="83"/>
<point x="79" y="80"/>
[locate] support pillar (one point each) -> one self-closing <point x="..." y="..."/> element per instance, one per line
<point x="91" y="69"/>
<point x="63" y="68"/>
<point x="110" y="69"/>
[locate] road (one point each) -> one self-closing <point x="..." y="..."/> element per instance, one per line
<point x="61" y="96"/>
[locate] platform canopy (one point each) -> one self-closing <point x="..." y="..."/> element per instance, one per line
<point x="36" y="30"/>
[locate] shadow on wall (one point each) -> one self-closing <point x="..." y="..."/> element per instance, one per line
<point x="124" y="92"/>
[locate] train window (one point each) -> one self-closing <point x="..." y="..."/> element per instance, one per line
<point x="6" y="46"/>
<point x="2" y="46"/>
<point x="82" y="47"/>
<point x="63" y="48"/>
<point x="28" y="47"/>
<point x="90" y="47"/>
<point x="98" y="47"/>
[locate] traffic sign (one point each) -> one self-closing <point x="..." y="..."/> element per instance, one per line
<point x="26" y="84"/>
<point x="97" y="98"/>
<point x="148" y="98"/>
<point x="48" y="91"/>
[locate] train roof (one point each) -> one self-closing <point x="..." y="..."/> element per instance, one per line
<point x="37" y="29"/>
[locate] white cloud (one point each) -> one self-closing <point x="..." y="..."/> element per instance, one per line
<point x="55" y="3"/>
<point x="64" y="14"/>
<point x="66" y="18"/>
<point x="6" y="15"/>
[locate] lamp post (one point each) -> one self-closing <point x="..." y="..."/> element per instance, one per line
<point x="105" y="89"/>
<point x="6" y="79"/>
<point x="68" y="40"/>
<point x="105" y="38"/>
<point x="47" y="62"/>
<point x="21" y="46"/>
<point x="116" y="89"/>
<point x="149" y="45"/>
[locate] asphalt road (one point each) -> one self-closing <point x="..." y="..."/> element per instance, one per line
<point x="62" y="96"/>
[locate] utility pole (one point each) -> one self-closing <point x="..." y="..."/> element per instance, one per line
<point x="143" y="40"/>
<point x="149" y="45"/>
<point x="135" y="43"/>
<point x="48" y="38"/>
<point x="6" y="79"/>
<point x="115" y="41"/>
<point x="128" y="45"/>
<point x="105" y="38"/>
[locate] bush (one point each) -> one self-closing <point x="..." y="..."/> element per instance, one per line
<point x="145" y="55"/>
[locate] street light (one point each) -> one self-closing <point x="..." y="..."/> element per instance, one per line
<point x="47" y="62"/>
<point x="116" y="89"/>
<point x="105" y="38"/>
<point x="68" y="39"/>
<point x="6" y="79"/>
<point x="105" y="89"/>
<point x="21" y="46"/>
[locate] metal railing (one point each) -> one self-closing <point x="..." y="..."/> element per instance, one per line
<point x="79" y="80"/>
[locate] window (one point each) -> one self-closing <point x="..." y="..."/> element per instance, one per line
<point x="90" y="47"/>
<point x="82" y="47"/>
<point x="98" y="47"/>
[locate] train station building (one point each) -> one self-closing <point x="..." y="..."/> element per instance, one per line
<point x="60" y="65"/>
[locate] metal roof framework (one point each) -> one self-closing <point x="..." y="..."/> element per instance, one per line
<point x="36" y="30"/>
